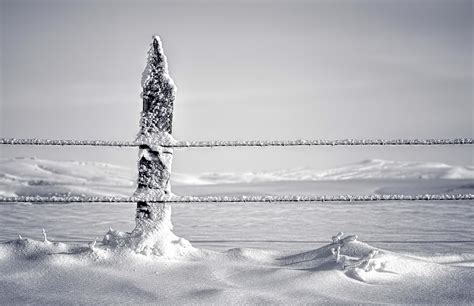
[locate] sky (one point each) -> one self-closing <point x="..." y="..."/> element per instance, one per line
<point x="244" y="70"/>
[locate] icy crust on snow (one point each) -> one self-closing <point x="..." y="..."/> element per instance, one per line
<point x="45" y="272"/>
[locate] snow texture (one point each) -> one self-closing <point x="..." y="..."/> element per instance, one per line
<point x="48" y="272"/>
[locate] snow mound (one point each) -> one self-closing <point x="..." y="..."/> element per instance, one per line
<point x="151" y="237"/>
<point x="44" y="272"/>
<point x="369" y="169"/>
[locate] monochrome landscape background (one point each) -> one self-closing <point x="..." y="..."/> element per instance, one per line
<point x="244" y="70"/>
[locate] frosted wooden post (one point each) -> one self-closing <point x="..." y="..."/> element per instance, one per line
<point x="154" y="165"/>
<point x="153" y="231"/>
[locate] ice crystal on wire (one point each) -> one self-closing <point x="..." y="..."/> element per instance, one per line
<point x="147" y="195"/>
<point x="145" y="139"/>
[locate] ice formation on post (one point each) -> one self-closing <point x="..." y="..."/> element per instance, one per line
<point x="152" y="234"/>
<point x="154" y="164"/>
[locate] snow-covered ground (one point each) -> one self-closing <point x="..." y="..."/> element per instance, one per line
<point x="53" y="273"/>
<point x="242" y="253"/>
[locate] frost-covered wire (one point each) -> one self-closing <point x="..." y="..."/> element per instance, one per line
<point x="322" y="142"/>
<point x="239" y="199"/>
<point x="67" y="142"/>
<point x="240" y="143"/>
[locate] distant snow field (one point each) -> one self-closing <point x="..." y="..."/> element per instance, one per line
<point x="241" y="253"/>
<point x="31" y="176"/>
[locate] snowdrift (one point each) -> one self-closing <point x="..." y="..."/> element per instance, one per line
<point x="344" y="271"/>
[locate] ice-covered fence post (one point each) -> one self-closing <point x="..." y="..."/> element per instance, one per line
<point x="153" y="231"/>
<point x="154" y="165"/>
